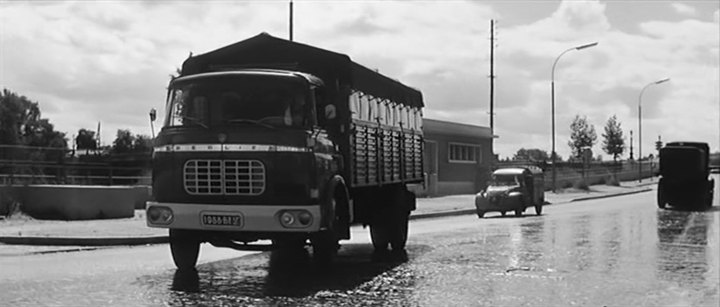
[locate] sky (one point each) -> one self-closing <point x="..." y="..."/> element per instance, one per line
<point x="110" y="61"/>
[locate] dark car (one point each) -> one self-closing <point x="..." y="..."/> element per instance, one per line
<point x="512" y="189"/>
<point x="685" y="176"/>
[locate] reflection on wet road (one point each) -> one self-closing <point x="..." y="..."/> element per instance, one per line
<point x="620" y="252"/>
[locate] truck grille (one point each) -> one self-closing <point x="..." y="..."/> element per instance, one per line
<point x="224" y="177"/>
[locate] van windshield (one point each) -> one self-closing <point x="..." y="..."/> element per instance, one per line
<point x="505" y="180"/>
<point x="228" y="100"/>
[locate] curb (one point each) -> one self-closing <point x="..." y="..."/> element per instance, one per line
<point x="70" y="241"/>
<point x="609" y="195"/>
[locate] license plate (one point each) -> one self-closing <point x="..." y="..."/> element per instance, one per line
<point x="222" y="220"/>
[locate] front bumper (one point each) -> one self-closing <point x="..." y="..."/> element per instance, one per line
<point x="497" y="203"/>
<point x="254" y="218"/>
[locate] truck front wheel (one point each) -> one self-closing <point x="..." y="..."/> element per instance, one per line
<point x="325" y="243"/>
<point x="185" y="248"/>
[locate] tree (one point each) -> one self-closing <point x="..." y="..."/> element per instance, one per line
<point x="532" y="154"/>
<point x="127" y="142"/>
<point x="85" y="139"/>
<point x="613" y="139"/>
<point x="582" y="136"/>
<point x="123" y="142"/>
<point x="21" y="124"/>
<point x="142" y="143"/>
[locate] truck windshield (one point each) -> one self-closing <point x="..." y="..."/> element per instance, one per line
<point x="267" y="101"/>
<point x="505" y="180"/>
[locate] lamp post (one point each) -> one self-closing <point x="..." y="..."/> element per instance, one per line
<point x="552" y="93"/>
<point x="640" y="125"/>
<point x="153" y="115"/>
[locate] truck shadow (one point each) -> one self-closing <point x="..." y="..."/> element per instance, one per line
<point x="273" y="274"/>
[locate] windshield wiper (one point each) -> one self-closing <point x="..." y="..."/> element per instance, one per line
<point x="250" y="121"/>
<point x="195" y="120"/>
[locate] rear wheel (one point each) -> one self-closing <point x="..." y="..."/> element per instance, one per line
<point x="661" y="202"/>
<point x="185" y="248"/>
<point x="390" y="227"/>
<point x="709" y="198"/>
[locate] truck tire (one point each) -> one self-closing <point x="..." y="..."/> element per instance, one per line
<point x="185" y="248"/>
<point x="661" y="196"/>
<point x="390" y="226"/>
<point x="380" y="237"/>
<point x="399" y="235"/>
<point x="709" y="193"/>
<point x="661" y="202"/>
<point x="325" y="243"/>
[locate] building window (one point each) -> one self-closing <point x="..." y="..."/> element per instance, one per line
<point x="464" y="153"/>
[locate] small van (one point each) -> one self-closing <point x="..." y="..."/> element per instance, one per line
<point x="512" y="189"/>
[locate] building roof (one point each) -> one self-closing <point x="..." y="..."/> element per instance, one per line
<point x="449" y="128"/>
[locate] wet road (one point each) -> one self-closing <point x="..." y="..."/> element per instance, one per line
<point x="609" y="252"/>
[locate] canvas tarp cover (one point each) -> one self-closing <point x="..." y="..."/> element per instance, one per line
<point x="268" y="52"/>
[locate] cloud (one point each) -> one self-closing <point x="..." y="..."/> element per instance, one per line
<point x="684" y="9"/>
<point x="109" y="61"/>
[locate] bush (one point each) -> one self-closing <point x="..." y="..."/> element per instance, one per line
<point x="8" y="205"/>
<point x="580" y="184"/>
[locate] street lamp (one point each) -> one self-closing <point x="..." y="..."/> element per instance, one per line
<point x="640" y="125"/>
<point x="153" y="115"/>
<point x="552" y="93"/>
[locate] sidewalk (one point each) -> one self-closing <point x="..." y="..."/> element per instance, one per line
<point x="75" y="235"/>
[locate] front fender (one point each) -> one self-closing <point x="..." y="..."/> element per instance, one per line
<point x="335" y="188"/>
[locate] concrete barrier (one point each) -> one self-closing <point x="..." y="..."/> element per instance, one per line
<point x="75" y="202"/>
<point x="142" y="195"/>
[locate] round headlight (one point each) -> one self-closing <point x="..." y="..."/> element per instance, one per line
<point x="287" y="219"/>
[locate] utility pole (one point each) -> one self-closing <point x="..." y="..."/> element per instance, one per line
<point x="492" y="78"/>
<point x="291" y="20"/>
<point x="631" y="148"/>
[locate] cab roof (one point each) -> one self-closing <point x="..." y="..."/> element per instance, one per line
<point x="517" y="171"/>
<point x="264" y="51"/>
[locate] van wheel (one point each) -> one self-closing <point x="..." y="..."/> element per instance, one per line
<point x="185" y="248"/>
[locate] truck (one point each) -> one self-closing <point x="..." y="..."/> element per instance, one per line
<point x="271" y="140"/>
<point x="685" y="176"/>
